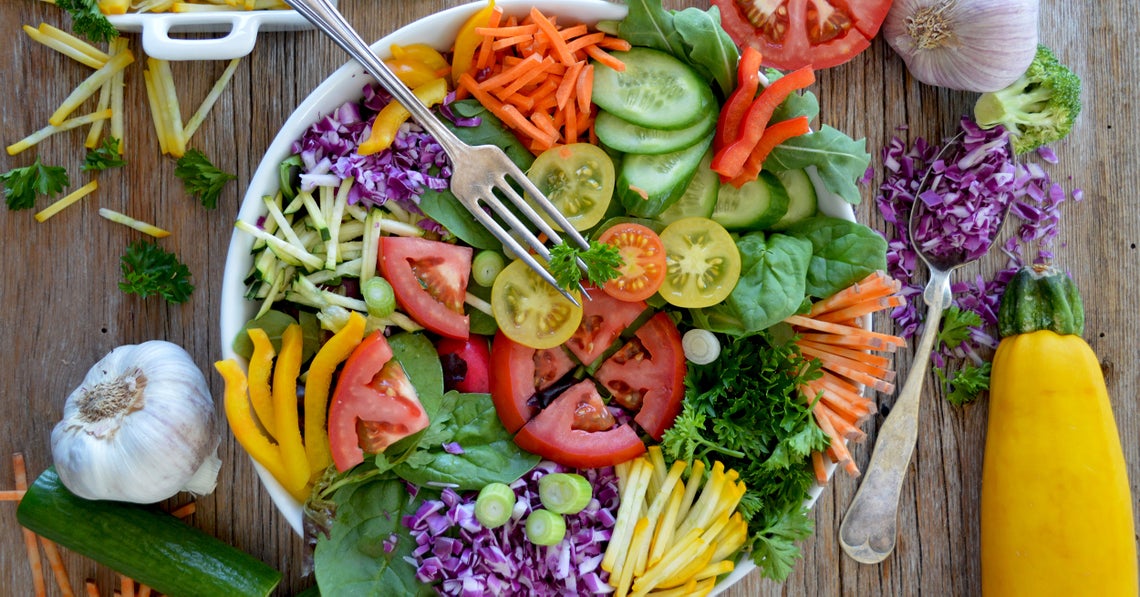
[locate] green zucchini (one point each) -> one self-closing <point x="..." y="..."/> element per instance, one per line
<point x="143" y="543"/>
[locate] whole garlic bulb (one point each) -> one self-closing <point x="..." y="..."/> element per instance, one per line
<point x="140" y="428"/>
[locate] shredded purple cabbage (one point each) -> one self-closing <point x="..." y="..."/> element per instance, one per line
<point x="459" y="556"/>
<point x="401" y="173"/>
<point x="969" y="187"/>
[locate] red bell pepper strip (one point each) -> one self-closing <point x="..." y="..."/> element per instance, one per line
<point x="747" y="83"/>
<point x="773" y="135"/>
<point x="729" y="161"/>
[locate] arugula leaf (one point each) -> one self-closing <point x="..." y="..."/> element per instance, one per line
<point x="107" y="155"/>
<point x="840" y="160"/>
<point x="602" y="262"/>
<point x="692" y="35"/>
<point x="88" y="20"/>
<point x="21" y="185"/>
<point x="150" y="270"/>
<point x="648" y="24"/>
<point x="202" y="179"/>
<point x="967" y="383"/>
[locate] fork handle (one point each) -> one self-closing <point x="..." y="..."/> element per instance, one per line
<point x="870" y="527"/>
<point x="328" y="19"/>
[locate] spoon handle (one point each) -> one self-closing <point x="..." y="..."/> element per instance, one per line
<point x="870" y="527"/>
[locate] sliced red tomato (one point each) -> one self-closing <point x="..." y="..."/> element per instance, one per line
<point x="643" y="261"/>
<point x="520" y="372"/>
<point x="604" y="318"/>
<point x="553" y="435"/>
<point x="647" y="375"/>
<point x="466" y="364"/>
<point x="795" y="33"/>
<point x="429" y="279"/>
<point x="374" y="404"/>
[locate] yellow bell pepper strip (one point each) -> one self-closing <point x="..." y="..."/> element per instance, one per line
<point x="412" y="72"/>
<point x="422" y="53"/>
<point x="467" y="41"/>
<point x="387" y="122"/>
<point x="242" y="423"/>
<point x="317" y="385"/>
<point x="285" y="411"/>
<point x="260" y="369"/>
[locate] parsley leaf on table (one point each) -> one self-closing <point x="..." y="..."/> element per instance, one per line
<point x="602" y="262"/>
<point x="21" y="185"/>
<point x="88" y="20"/>
<point x="956" y="324"/>
<point x="149" y="270"/>
<point x="107" y="155"/>
<point x="967" y="383"/>
<point x="201" y="178"/>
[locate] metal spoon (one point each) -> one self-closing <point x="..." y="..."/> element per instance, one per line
<point x="870" y="527"/>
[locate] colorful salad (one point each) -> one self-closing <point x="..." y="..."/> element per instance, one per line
<point x="449" y="423"/>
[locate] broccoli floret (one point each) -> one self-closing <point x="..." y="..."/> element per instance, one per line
<point x="1038" y="108"/>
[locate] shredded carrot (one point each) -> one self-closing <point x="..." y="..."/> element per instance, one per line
<point x="55" y="561"/>
<point x="91" y="587"/>
<point x="585" y="88"/>
<point x="862" y="308"/>
<point x="184" y="510"/>
<point x="819" y="467"/>
<point x="807" y="322"/>
<point x="11" y="495"/>
<point x="875" y="285"/>
<point x="872" y="359"/>
<point x="21" y="473"/>
<point x="144" y="590"/>
<point x="605" y="58"/>
<point x="568" y="84"/>
<point x="126" y="586"/>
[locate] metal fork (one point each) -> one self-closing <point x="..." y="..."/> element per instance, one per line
<point x="477" y="172"/>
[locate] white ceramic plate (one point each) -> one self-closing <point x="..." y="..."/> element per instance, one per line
<point x="345" y="84"/>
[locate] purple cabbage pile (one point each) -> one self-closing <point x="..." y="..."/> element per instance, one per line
<point x="461" y="557"/>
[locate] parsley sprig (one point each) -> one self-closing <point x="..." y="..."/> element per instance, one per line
<point x="22" y="185"/>
<point x="970" y="380"/>
<point x="107" y="155"/>
<point x="202" y="179"/>
<point x="88" y="20"/>
<point x="150" y="270"/>
<point x="602" y="262"/>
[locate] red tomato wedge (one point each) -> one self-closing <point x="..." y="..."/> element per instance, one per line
<point x="429" y="279"/>
<point x="648" y="375"/>
<point x="551" y="433"/>
<point x="643" y="261"/>
<point x="795" y="33"/>
<point x="466" y="363"/>
<point x="374" y="404"/>
<point x="604" y="318"/>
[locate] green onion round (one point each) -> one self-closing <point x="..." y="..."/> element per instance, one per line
<point x="379" y="297"/>
<point x="564" y="493"/>
<point x="544" y="527"/>
<point x="486" y="267"/>
<point x="494" y="505"/>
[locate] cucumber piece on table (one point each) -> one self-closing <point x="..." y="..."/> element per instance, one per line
<point x="802" y="200"/>
<point x="143" y="542"/>
<point x="625" y="136"/>
<point x="756" y="205"/>
<point x="648" y="184"/>
<point x="699" y="197"/>
<point x="655" y="90"/>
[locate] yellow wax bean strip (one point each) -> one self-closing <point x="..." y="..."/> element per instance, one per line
<point x="139" y="225"/>
<point x="70" y="198"/>
<point x="90" y="86"/>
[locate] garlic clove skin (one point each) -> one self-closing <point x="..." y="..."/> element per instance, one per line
<point x="140" y="428"/>
<point x="968" y="45"/>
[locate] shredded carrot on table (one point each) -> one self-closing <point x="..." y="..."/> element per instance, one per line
<point x="21" y="474"/>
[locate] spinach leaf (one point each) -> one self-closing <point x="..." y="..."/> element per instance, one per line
<point x="443" y="207"/>
<point x="710" y="50"/>
<point x="489" y="454"/>
<point x="352" y="559"/>
<point x="771" y="287"/>
<point x="417" y="355"/>
<point x="843" y="252"/>
<point x="840" y="160"/>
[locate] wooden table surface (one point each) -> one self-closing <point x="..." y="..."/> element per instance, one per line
<point x="63" y="310"/>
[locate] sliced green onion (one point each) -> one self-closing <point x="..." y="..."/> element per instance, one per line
<point x="379" y="297"/>
<point x="494" y="505"/>
<point x="544" y="527"/>
<point x="564" y="493"/>
<point x="701" y="347"/>
<point x="486" y="267"/>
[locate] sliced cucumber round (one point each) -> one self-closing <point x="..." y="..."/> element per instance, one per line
<point x="623" y="135"/>
<point x="699" y="197"/>
<point x="648" y="184"/>
<point x="655" y="90"/>
<point x="756" y="205"/>
<point x="802" y="200"/>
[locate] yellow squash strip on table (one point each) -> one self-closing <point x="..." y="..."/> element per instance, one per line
<point x="1056" y="509"/>
<point x="317" y="384"/>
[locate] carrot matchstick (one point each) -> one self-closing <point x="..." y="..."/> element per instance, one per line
<point x="21" y="473"/>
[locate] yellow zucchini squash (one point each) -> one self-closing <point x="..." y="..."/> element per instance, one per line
<point x="1056" y="509"/>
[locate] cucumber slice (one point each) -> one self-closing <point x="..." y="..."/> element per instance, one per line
<point x="649" y="184"/>
<point x="756" y="205"/>
<point x="655" y="90"/>
<point x="699" y="197"/>
<point x="802" y="200"/>
<point x="623" y="135"/>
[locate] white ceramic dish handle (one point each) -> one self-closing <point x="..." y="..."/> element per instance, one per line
<point x="242" y="36"/>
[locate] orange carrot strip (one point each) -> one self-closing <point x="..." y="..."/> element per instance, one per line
<point x="853" y="411"/>
<point x="863" y="308"/>
<point x="557" y="44"/>
<point x="486" y="52"/>
<point x="11" y="495"/>
<point x="874" y="284"/>
<point x="842" y="426"/>
<point x="819" y="467"/>
<point x="584" y="88"/>
<point x="144" y="590"/>
<point x="548" y="88"/>
<point x="184" y="510"/>
<point x="55" y="561"/>
<point x="579" y="44"/>
<point x="838" y="447"/>
<point x="521" y="102"/>
<point x="507" y="42"/>
<point x="873" y="359"/>
<point x="832" y="361"/>
<point x="510" y="73"/>
<point x="527" y="77"/>
<point x="601" y="56"/>
<point x="570" y="123"/>
<point x="567" y="85"/>
<point x="574" y="31"/>
<point x="489" y="101"/>
<point x="21" y="473"/>
<point x="544" y="122"/>
<point x="126" y="586"/>
<point x="501" y="32"/>
<point x="516" y="120"/>
<point x="615" y="43"/>
<point x="858" y="343"/>
<point x="91" y="587"/>
<point x="545" y="104"/>
<point x="823" y="326"/>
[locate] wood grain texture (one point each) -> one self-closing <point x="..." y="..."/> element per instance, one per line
<point x="63" y="310"/>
